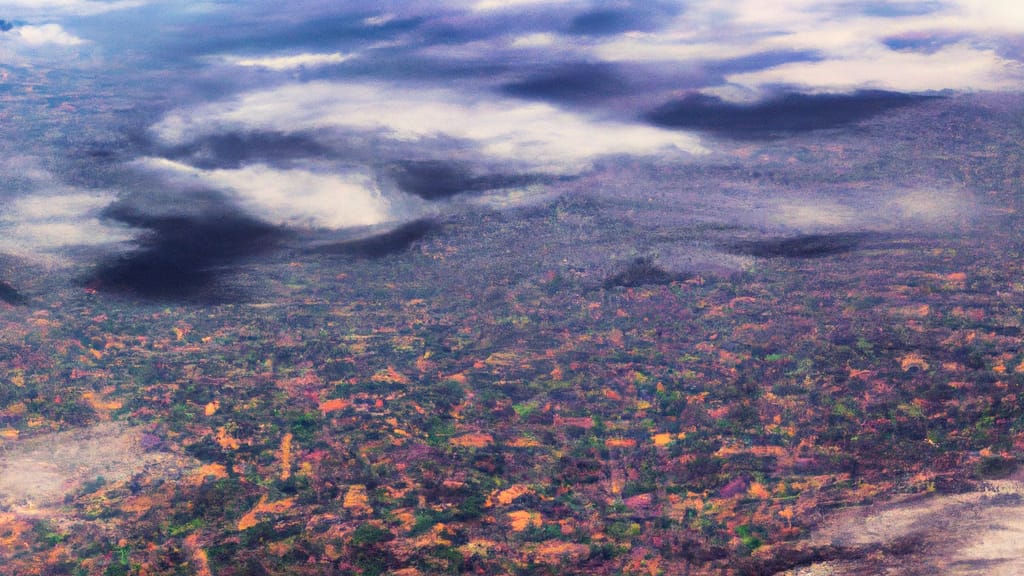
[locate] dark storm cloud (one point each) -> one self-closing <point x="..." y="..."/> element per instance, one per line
<point x="11" y="296"/>
<point x="435" y="180"/>
<point x="388" y="243"/>
<point x="760" y="61"/>
<point x="606" y="22"/>
<point x="182" y="258"/>
<point x="895" y="9"/>
<point x="788" y="114"/>
<point x="642" y="272"/>
<point x="923" y="43"/>
<point x="585" y="83"/>
<point x="637" y="16"/>
<point x="235" y="149"/>
<point x="572" y="82"/>
<point x="809" y="245"/>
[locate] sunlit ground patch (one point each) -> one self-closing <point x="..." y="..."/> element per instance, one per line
<point x="37" y="473"/>
<point x="979" y="532"/>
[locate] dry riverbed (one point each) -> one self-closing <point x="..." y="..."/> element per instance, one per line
<point x="974" y="533"/>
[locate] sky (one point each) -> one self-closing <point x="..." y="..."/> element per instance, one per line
<point x="154" y="142"/>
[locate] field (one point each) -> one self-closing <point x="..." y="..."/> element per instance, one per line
<point x="596" y="381"/>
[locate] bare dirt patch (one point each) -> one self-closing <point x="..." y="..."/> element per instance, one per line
<point x="37" y="473"/>
<point x="975" y="533"/>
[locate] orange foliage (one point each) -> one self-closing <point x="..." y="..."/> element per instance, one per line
<point x="507" y="496"/>
<point x="286" y="456"/>
<point x="12" y="529"/>
<point x="226" y="440"/>
<point x="524" y="442"/>
<point x="458" y="377"/>
<point x="263" y="507"/>
<point x="718" y="413"/>
<point x="180" y="332"/>
<point x="620" y="443"/>
<point x="207" y="470"/>
<point x="405" y="516"/>
<point x="357" y="500"/>
<point x="424" y="364"/>
<point x="855" y="373"/>
<point x="473" y="440"/>
<point x="279" y="549"/>
<point x="617" y="482"/>
<point x="580" y="422"/>
<point x="390" y="376"/>
<point x="643" y="562"/>
<point x="787" y="514"/>
<point x="99" y="404"/>
<point x="502" y="359"/>
<point x="200" y="560"/>
<point x="333" y="405"/>
<point x="757" y="490"/>
<point x="476" y="547"/>
<point x="913" y="360"/>
<point x="138" y="505"/>
<point x="523" y="519"/>
<point x="435" y="537"/>
<point x="663" y="439"/>
<point x="557" y="551"/>
<point x="611" y="394"/>
<point x="211" y="408"/>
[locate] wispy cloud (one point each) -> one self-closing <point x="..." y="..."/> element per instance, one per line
<point x="535" y="136"/>
<point x="291" y="62"/>
<point x="50" y="8"/>
<point x="45" y="216"/>
<point x="41" y="226"/>
<point x="850" y="44"/>
<point x="53" y="34"/>
<point x="291" y="197"/>
<point x="956" y="67"/>
<point x="486" y="5"/>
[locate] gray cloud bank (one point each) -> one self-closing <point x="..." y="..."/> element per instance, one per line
<point x="327" y="119"/>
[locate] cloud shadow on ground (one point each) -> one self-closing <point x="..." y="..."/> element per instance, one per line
<point x="183" y="257"/>
<point x="388" y="243"/>
<point x="781" y="116"/>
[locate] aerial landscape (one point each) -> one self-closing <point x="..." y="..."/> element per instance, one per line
<point x="599" y="287"/>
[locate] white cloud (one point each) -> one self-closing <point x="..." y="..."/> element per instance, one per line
<point x="935" y="206"/>
<point x="488" y="5"/>
<point x="380" y="20"/>
<point x="821" y="213"/>
<point x="1002" y="16"/>
<point x="43" y="224"/>
<point x="47" y="34"/>
<point x="873" y="209"/>
<point x="959" y="67"/>
<point x="49" y="8"/>
<point x="645" y="47"/>
<point x="537" y="40"/>
<point x="848" y="44"/>
<point x="288" y="197"/>
<point x="281" y="63"/>
<point x="529" y="135"/>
